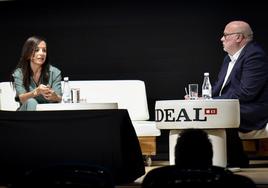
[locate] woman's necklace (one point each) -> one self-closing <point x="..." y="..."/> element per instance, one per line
<point x="36" y="79"/>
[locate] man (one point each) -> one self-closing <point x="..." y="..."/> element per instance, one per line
<point x="243" y="76"/>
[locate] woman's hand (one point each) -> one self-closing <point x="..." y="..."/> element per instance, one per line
<point x="49" y="94"/>
<point x="186" y="97"/>
<point x="40" y="90"/>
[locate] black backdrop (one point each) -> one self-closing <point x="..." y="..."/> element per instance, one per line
<point x="166" y="44"/>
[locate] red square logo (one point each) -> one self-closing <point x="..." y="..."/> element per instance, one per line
<point x="210" y="111"/>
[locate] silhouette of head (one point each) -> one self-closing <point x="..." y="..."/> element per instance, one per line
<point x="193" y="150"/>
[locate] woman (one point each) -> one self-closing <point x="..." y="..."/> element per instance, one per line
<point x="35" y="80"/>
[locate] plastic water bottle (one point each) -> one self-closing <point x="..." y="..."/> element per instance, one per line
<point x="206" y="87"/>
<point x="66" y="96"/>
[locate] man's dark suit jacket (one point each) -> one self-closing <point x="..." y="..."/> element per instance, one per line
<point x="247" y="82"/>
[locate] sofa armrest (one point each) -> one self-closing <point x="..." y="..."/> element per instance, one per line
<point x="256" y="134"/>
<point x="7" y="97"/>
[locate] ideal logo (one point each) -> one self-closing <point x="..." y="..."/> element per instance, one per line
<point x="169" y="115"/>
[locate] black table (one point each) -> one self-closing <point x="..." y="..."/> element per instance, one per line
<point x="30" y="140"/>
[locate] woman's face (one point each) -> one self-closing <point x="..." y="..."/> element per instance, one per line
<point x="40" y="54"/>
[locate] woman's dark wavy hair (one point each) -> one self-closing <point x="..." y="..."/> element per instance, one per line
<point x="193" y="150"/>
<point x="27" y="52"/>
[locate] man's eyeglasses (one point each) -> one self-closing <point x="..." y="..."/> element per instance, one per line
<point x="225" y="35"/>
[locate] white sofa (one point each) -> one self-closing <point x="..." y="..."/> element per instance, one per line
<point x="128" y="94"/>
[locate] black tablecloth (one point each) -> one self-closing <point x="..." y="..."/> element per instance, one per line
<point x="34" y="139"/>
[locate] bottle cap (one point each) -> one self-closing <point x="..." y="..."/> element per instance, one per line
<point x="66" y="78"/>
<point x="206" y="74"/>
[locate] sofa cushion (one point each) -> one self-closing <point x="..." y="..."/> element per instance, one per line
<point x="255" y="134"/>
<point x="146" y="128"/>
<point x="128" y="94"/>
